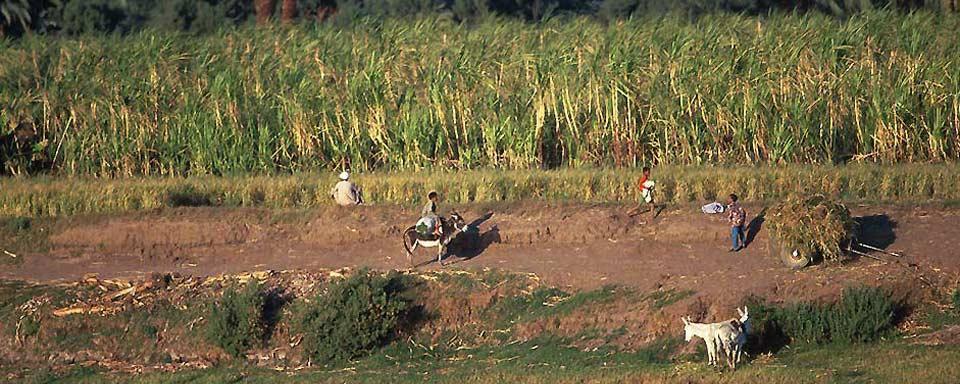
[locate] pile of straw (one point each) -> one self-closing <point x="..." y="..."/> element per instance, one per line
<point x="813" y="225"/>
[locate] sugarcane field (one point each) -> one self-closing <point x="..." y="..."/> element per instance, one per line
<point x="466" y="191"/>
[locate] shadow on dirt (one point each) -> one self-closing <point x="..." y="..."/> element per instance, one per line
<point x="471" y="243"/>
<point x="876" y="230"/>
<point x="476" y="246"/>
<point x="754" y="227"/>
<point x="480" y="220"/>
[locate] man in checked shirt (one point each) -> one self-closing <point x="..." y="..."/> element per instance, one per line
<point x="737" y="217"/>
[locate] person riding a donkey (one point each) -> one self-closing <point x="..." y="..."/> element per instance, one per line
<point x="430" y="221"/>
<point x="432" y="230"/>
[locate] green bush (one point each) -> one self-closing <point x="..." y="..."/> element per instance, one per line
<point x="236" y="322"/>
<point x="956" y="300"/>
<point x="765" y="334"/>
<point x="862" y="314"/>
<point x="17" y="223"/>
<point x="186" y="196"/>
<point x="804" y="322"/>
<point x="354" y="317"/>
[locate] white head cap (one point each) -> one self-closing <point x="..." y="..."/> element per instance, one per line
<point x="344" y="175"/>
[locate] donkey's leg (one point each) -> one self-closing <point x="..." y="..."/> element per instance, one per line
<point x="440" y="254"/>
<point x="732" y="359"/>
<point x="711" y="350"/>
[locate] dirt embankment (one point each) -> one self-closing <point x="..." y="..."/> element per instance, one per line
<point x="578" y="246"/>
<point x="158" y="323"/>
<point x="678" y="265"/>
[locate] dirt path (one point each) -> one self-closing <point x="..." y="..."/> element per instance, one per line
<point x="580" y="246"/>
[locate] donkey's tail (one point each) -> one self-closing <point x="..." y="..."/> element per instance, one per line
<point x="406" y="237"/>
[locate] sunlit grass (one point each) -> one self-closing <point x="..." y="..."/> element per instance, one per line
<point x="910" y="183"/>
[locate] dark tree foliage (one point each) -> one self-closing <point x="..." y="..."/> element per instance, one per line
<point x="19" y="16"/>
<point x="74" y="17"/>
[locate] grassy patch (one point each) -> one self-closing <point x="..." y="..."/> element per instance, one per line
<point x="140" y="334"/>
<point x="349" y="330"/>
<point x="78" y="375"/>
<point x="20" y="235"/>
<point x="14" y="294"/>
<point x="938" y="318"/>
<point x="537" y="355"/>
<point x="660" y="299"/>
<point x="547" y="302"/>
<point x="909" y="183"/>
<point x="546" y="362"/>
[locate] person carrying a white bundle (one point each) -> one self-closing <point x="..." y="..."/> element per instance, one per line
<point x="646" y="186"/>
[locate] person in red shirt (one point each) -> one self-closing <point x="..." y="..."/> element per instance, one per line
<point x="646" y="185"/>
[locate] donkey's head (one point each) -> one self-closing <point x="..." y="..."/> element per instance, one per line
<point x="744" y="319"/>
<point x="457" y="221"/>
<point x="688" y="331"/>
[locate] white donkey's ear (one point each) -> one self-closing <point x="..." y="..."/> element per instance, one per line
<point x="740" y="311"/>
<point x="684" y="319"/>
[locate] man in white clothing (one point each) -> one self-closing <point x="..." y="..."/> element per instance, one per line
<point x="346" y="193"/>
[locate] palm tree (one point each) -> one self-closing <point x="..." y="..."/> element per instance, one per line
<point x="288" y="10"/>
<point x="325" y="9"/>
<point x="14" y="11"/>
<point x="263" y="9"/>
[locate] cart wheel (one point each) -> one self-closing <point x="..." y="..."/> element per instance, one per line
<point x="791" y="257"/>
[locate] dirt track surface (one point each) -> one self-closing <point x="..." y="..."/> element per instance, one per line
<point x="578" y="246"/>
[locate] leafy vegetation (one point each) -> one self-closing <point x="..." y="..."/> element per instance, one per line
<point x="955" y="298"/>
<point x="16" y="224"/>
<point x="109" y="16"/>
<point x="236" y="322"/>
<point x="724" y="89"/>
<point x="862" y="314"/>
<point x="939" y="318"/>
<point x="354" y="317"/>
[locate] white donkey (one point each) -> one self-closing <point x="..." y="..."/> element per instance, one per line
<point x="731" y="336"/>
<point x="707" y="332"/>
